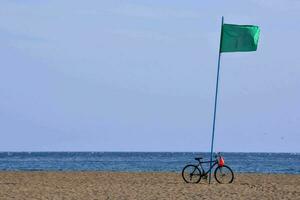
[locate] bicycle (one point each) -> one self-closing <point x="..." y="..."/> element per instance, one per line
<point x="222" y="174"/>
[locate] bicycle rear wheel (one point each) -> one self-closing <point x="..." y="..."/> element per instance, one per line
<point x="191" y="174"/>
<point x="223" y="174"/>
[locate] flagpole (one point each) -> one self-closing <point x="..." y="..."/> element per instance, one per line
<point x="215" y="108"/>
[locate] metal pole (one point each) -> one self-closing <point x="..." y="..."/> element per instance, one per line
<point x="216" y="99"/>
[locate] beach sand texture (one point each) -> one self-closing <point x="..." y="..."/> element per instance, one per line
<point x="141" y="186"/>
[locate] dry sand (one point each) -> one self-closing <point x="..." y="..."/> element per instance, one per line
<point x="104" y="185"/>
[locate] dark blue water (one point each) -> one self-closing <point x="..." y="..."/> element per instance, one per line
<point x="288" y="163"/>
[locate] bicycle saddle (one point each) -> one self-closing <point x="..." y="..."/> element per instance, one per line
<point x="198" y="158"/>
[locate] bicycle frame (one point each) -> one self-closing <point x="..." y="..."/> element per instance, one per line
<point x="215" y="162"/>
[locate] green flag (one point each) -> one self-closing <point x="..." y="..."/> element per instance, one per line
<point x="239" y="38"/>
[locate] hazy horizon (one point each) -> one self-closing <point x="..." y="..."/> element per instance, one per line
<point x="273" y="152"/>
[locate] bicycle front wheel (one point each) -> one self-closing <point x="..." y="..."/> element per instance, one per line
<point x="223" y="174"/>
<point x="191" y="174"/>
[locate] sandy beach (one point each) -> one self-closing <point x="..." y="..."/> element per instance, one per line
<point x="109" y="185"/>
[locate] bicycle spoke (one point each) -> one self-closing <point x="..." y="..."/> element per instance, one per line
<point x="191" y="174"/>
<point x="224" y="174"/>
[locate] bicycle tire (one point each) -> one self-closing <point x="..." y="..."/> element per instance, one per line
<point x="191" y="174"/>
<point x="224" y="174"/>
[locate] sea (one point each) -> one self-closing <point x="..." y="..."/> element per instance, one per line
<point x="283" y="163"/>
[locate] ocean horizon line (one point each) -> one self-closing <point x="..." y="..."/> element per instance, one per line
<point x="149" y="152"/>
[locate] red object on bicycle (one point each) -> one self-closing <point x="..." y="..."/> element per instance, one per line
<point x="221" y="162"/>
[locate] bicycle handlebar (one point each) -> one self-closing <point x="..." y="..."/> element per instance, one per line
<point x="218" y="154"/>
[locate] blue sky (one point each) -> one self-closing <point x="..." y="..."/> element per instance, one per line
<point x="140" y="76"/>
